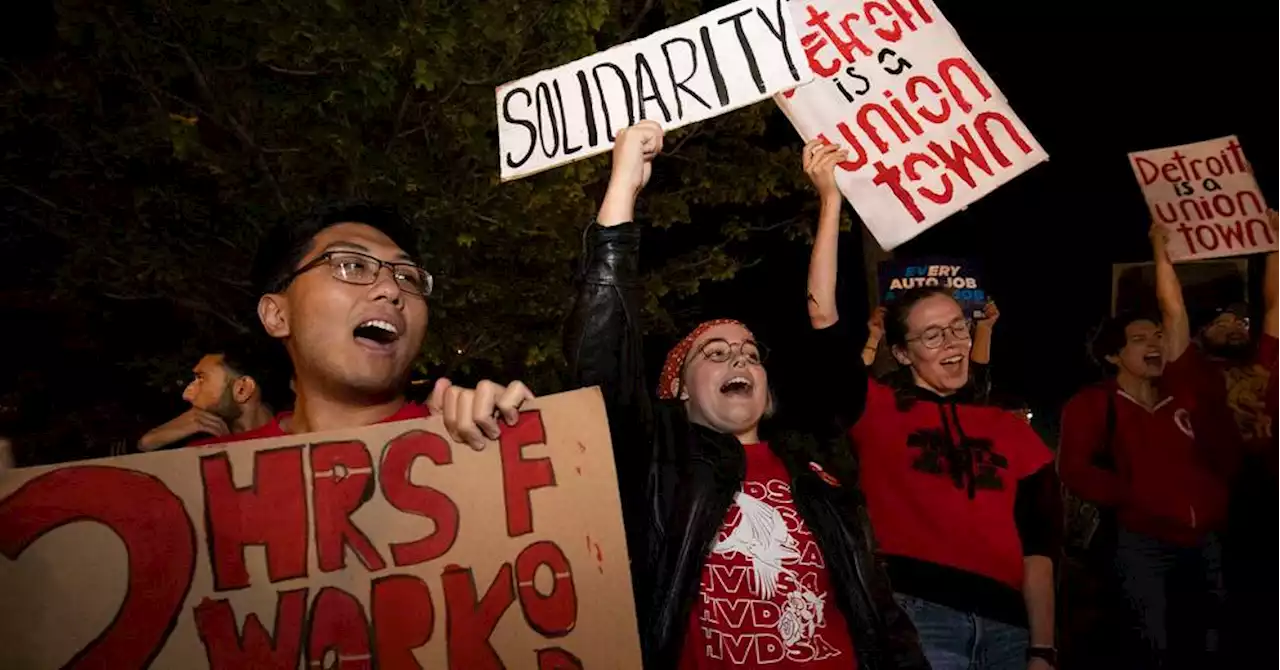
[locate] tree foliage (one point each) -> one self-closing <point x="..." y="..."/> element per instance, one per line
<point x="147" y="147"/>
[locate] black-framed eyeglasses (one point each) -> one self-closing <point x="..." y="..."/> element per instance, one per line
<point x="935" y="337"/>
<point x="354" y="267"/>
<point x="719" y="350"/>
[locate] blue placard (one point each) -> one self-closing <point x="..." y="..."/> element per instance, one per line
<point x="961" y="276"/>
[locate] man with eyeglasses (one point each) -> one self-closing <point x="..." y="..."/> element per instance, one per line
<point x="344" y="294"/>
<point x="1225" y="367"/>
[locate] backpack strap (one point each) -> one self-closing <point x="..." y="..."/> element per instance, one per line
<point x="1106" y="458"/>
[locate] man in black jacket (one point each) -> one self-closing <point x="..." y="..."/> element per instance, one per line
<point x="747" y="549"/>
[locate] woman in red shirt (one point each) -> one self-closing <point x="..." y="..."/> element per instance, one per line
<point x="961" y="495"/>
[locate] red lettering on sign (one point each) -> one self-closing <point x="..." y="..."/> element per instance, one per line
<point x="552" y="614"/>
<point x="158" y="539"/>
<point x="339" y="631"/>
<point x="471" y="622"/>
<point x="555" y="658"/>
<point x="397" y="462"/>
<point x="403" y="620"/>
<point x="342" y="481"/>
<point x="254" y="647"/>
<point x="947" y="68"/>
<point x="1232" y="235"/>
<point x="272" y="511"/>
<point x="520" y="475"/>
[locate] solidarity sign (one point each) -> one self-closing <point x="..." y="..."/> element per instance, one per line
<point x="385" y="547"/>
<point x="927" y="131"/>
<point x="1205" y="193"/>
<point x="741" y="53"/>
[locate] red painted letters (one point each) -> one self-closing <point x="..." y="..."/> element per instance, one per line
<point x="272" y="511"/>
<point x="521" y="475"/>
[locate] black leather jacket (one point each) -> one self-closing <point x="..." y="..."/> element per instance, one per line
<point x="677" y="480"/>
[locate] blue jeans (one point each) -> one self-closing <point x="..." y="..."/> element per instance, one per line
<point x="955" y="640"/>
<point x="1177" y="594"/>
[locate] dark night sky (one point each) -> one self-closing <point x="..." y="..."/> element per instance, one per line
<point x="1092" y="85"/>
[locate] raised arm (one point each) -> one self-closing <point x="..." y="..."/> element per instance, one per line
<point x="831" y="345"/>
<point x="602" y="340"/>
<point x="980" y="354"/>
<point x="1173" y="311"/>
<point x="819" y="163"/>
<point x="981" y="351"/>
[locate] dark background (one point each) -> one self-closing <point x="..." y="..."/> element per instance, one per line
<point x="1092" y="80"/>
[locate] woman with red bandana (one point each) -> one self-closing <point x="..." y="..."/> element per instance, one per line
<point x="961" y="494"/>
<point x="748" y="549"/>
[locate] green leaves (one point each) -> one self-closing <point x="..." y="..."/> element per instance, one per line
<point x="173" y="133"/>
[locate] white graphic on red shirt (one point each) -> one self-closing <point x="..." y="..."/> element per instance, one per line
<point x="780" y="616"/>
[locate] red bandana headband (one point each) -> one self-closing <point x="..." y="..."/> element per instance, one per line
<point x="669" y="381"/>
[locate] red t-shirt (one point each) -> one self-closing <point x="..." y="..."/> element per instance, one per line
<point x="766" y="598"/>
<point x="274" y="427"/>
<point x="1248" y="389"/>
<point x="917" y="507"/>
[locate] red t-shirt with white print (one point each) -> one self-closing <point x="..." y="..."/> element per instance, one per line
<point x="766" y="598"/>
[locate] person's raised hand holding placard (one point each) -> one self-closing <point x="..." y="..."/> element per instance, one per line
<point x="633" y="155"/>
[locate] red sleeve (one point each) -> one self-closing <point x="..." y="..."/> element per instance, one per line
<point x="1196" y="380"/>
<point x="1190" y="375"/>
<point x="879" y="399"/>
<point x="1082" y="439"/>
<point x="1032" y="453"/>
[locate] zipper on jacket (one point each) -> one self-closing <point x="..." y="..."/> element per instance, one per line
<point x="1193" y="515"/>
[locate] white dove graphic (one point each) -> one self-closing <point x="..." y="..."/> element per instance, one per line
<point x="761" y="536"/>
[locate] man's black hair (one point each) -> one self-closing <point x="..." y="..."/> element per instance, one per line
<point x="1109" y="338"/>
<point x="262" y="362"/>
<point x="282" y="249"/>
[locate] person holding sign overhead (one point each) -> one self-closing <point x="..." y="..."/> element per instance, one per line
<point x="962" y="496"/>
<point x="1155" y="453"/>
<point x="722" y="515"/>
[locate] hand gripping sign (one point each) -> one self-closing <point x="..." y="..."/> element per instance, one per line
<point x="387" y="547"/>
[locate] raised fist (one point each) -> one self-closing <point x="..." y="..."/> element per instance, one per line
<point x="633" y="155"/>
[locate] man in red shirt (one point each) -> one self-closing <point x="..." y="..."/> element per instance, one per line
<point x="343" y="293"/>
<point x="1148" y="446"/>
<point x="1232" y="372"/>
<point x="226" y="398"/>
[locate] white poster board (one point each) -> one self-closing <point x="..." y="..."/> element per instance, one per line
<point x="927" y="131"/>
<point x="725" y="59"/>
<point x="1206" y="195"/>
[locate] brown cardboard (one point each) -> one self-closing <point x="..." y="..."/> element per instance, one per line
<point x="555" y="581"/>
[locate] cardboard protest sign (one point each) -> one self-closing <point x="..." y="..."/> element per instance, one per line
<point x="962" y="277"/>
<point x="1205" y="284"/>
<point x="388" y="546"/>
<point x="1206" y="194"/>
<point x="738" y="54"/>
<point x="927" y="130"/>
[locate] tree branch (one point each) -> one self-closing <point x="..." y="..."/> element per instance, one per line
<point x="635" y="23"/>
<point x="288" y="71"/>
<point x="239" y="130"/>
<point x="39" y="198"/>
